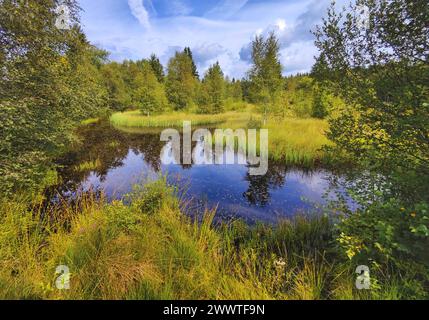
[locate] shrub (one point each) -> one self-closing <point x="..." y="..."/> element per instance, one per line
<point x="389" y="236"/>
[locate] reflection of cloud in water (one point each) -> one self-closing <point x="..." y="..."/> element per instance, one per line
<point x="167" y="154"/>
<point x="120" y="181"/>
<point x="133" y="158"/>
<point x="202" y="153"/>
<point x="314" y="183"/>
<point x="267" y="198"/>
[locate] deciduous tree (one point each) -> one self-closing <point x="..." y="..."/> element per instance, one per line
<point x="266" y="73"/>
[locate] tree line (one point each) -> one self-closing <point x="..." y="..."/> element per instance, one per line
<point x="144" y="85"/>
<point x="52" y="79"/>
<point x="149" y="86"/>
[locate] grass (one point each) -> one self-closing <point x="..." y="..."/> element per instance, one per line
<point x="298" y="141"/>
<point x="295" y="141"/>
<point x="88" y="166"/>
<point x="149" y="250"/>
<point x="134" y="119"/>
<point x="90" y="121"/>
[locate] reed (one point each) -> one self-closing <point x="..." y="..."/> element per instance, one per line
<point x="298" y="141"/>
<point x="88" y="166"/>
<point x="135" y="119"/>
<point x="147" y="249"/>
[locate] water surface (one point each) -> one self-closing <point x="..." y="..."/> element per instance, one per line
<point x="129" y="158"/>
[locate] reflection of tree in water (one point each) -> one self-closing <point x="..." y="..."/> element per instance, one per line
<point x="110" y="147"/>
<point x="258" y="193"/>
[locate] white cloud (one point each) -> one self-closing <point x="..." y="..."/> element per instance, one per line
<point x="206" y="52"/>
<point x="139" y="11"/>
<point x="298" y="57"/>
<point x="222" y="34"/>
<point x="281" y="24"/>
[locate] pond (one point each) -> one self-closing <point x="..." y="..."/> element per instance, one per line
<point x="123" y="159"/>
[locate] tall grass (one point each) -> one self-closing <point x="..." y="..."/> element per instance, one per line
<point x="298" y="141"/>
<point x="88" y="165"/>
<point x="136" y="119"/>
<point x="149" y="250"/>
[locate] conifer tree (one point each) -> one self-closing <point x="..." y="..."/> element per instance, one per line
<point x="180" y="81"/>
<point x="213" y="88"/>
<point x="188" y="52"/>
<point x="157" y="67"/>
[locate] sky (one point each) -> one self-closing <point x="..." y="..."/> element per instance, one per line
<point x="215" y="30"/>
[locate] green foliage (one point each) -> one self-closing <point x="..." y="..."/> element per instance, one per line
<point x="50" y="82"/>
<point x="234" y="90"/>
<point x="149" y="250"/>
<point x="387" y="231"/>
<point x="304" y="97"/>
<point x="388" y="235"/>
<point x="150" y="198"/>
<point x="212" y="98"/>
<point x="187" y="51"/>
<point x="265" y="77"/>
<point x="157" y="67"/>
<point x="181" y="82"/>
<point x="320" y="104"/>
<point x="297" y="97"/>
<point x="118" y="93"/>
<point x="380" y="69"/>
<point x="149" y="96"/>
<point x="137" y="85"/>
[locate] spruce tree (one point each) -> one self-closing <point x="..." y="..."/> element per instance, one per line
<point x="188" y="52"/>
<point x="180" y="81"/>
<point x="213" y="88"/>
<point x="157" y="67"/>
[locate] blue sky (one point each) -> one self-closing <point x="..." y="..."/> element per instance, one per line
<point x="216" y="30"/>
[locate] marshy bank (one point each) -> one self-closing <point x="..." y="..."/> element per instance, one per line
<point x="148" y="249"/>
<point x="141" y="241"/>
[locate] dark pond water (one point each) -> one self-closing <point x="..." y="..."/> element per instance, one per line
<point x="129" y="158"/>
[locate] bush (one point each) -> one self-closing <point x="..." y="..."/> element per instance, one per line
<point x="391" y="237"/>
<point x="150" y="198"/>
